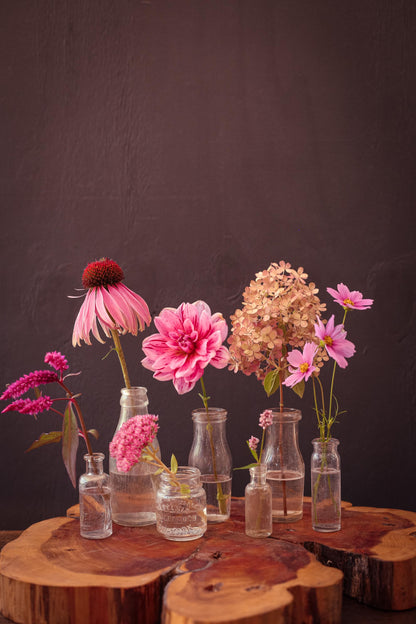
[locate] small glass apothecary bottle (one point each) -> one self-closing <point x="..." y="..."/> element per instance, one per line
<point x="94" y="499"/>
<point x="258" y="503"/>
<point x="326" y="485"/>
<point x="211" y="454"/>
<point x="285" y="466"/>
<point x="133" y="493"/>
<point x="181" y="505"/>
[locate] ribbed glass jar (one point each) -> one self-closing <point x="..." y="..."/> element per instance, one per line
<point x="326" y="485"/>
<point x="285" y="466"/>
<point x="211" y="454"/>
<point x="181" y="505"/>
<point x="133" y="493"/>
<point x="94" y="499"/>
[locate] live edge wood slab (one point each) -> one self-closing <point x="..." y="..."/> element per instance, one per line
<point x="50" y="575"/>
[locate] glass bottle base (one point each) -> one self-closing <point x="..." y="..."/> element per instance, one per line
<point x="135" y="519"/>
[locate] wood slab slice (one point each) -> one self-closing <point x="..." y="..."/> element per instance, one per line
<point x="375" y="549"/>
<point x="50" y="575"/>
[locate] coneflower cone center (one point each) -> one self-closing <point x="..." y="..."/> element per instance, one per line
<point x="104" y="272"/>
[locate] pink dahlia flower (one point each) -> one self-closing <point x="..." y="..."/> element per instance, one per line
<point x="189" y="339"/>
<point x="351" y="299"/>
<point x="132" y="438"/>
<point x="332" y="337"/>
<point x="109" y="302"/>
<point x="301" y="364"/>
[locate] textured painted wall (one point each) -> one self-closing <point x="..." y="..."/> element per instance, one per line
<point x="195" y="142"/>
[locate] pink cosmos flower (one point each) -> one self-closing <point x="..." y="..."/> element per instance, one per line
<point x="25" y="383"/>
<point x="109" y="302"/>
<point x="132" y="438"/>
<point x="301" y="364"/>
<point x="266" y="419"/>
<point x="333" y="339"/>
<point x="253" y="443"/>
<point x="57" y="361"/>
<point x="32" y="407"/>
<point x="351" y="299"/>
<point x="189" y="339"/>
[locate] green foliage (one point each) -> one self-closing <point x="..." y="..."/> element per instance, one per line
<point x="46" y="438"/>
<point x="70" y="441"/>
<point x="271" y="382"/>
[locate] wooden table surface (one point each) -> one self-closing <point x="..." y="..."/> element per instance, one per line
<point x="384" y="538"/>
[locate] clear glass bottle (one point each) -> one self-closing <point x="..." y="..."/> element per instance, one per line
<point x="94" y="499"/>
<point x="211" y="454"/>
<point x="181" y="512"/>
<point x="285" y="466"/>
<point x="258" y="503"/>
<point x="326" y="486"/>
<point x="133" y="493"/>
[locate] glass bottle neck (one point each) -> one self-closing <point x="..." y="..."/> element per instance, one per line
<point x="258" y="474"/>
<point x="94" y="463"/>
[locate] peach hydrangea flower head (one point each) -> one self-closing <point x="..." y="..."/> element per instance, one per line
<point x="279" y="311"/>
<point x="109" y="304"/>
<point x="189" y="339"/>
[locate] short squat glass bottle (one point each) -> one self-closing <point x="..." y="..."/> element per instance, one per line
<point x="211" y="454"/>
<point x="326" y="486"/>
<point x="258" y="503"/>
<point x="181" y="505"/>
<point x="285" y="466"/>
<point x="94" y="499"/>
<point x="133" y="493"/>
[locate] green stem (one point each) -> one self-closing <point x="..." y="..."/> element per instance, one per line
<point x="281" y="407"/>
<point x="122" y="359"/>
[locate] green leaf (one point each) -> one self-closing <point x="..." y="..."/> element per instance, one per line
<point x="184" y="489"/>
<point x="271" y="382"/>
<point x="299" y="389"/>
<point x="94" y="433"/>
<point x="46" y="438"/>
<point x="245" y="467"/>
<point x="252" y="451"/>
<point x="158" y="472"/>
<point x="173" y="464"/>
<point x="70" y="441"/>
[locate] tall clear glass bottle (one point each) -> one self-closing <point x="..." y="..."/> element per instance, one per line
<point x="326" y="486"/>
<point x="285" y="466"/>
<point x="258" y="503"/>
<point x="211" y="454"/>
<point x="94" y="499"/>
<point x="133" y="493"/>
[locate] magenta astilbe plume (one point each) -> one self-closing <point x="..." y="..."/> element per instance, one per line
<point x="25" y="383"/>
<point x="30" y="406"/>
<point x="57" y="361"/>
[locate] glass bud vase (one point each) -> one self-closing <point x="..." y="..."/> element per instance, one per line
<point x="181" y="505"/>
<point x="258" y="503"/>
<point x="211" y="454"/>
<point x="133" y="493"/>
<point x="285" y="466"/>
<point x="326" y="486"/>
<point x="94" y="499"/>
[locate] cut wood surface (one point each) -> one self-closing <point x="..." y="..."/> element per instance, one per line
<point x="52" y="575"/>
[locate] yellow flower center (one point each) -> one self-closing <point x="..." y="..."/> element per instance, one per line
<point x="304" y="367"/>
<point x="348" y="302"/>
<point x="328" y="340"/>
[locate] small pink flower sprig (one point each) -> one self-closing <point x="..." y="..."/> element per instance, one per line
<point x="133" y="442"/>
<point x="265" y="420"/>
<point x="331" y="338"/>
<point x="71" y="432"/>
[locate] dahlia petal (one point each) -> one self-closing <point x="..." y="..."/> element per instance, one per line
<point x="221" y="358"/>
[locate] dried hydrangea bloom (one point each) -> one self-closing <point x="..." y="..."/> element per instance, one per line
<point x="279" y="312"/>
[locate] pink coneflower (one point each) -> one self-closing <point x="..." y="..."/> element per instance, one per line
<point x="132" y="438"/>
<point x="301" y="364"/>
<point x="189" y="339"/>
<point x="333" y="339"/>
<point x="349" y="299"/>
<point x="108" y="301"/>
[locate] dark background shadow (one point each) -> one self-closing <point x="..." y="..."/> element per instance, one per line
<point x="195" y="142"/>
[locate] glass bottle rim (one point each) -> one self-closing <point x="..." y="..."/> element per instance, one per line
<point x="184" y="474"/>
<point x="133" y="390"/>
<point x="94" y="456"/>
<point x="318" y="442"/>
<point x="288" y="415"/>
<point x="258" y="469"/>
<point x="215" y="414"/>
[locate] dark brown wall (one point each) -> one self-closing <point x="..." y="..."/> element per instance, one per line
<point x="195" y="142"/>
